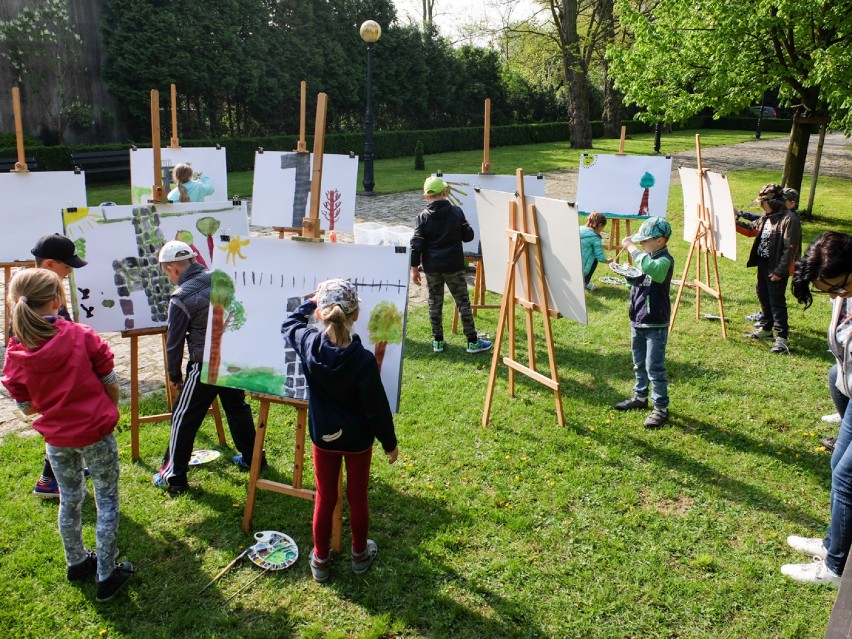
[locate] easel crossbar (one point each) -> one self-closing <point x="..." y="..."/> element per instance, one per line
<point x="526" y="370"/>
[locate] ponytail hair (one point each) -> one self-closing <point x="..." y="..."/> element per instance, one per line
<point x="338" y="325"/>
<point x="180" y="174"/>
<point x="31" y="295"/>
<point x="595" y="219"/>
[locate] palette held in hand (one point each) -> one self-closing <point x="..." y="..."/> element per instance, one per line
<point x="626" y="270"/>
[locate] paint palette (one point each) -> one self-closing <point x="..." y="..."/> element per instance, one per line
<point x="273" y="551"/>
<point x="625" y="270"/>
<point x="203" y="457"/>
<point x="613" y="280"/>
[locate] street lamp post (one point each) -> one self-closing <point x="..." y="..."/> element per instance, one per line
<point x="370" y="33"/>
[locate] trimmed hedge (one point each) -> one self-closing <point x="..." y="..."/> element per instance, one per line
<point x="392" y="144"/>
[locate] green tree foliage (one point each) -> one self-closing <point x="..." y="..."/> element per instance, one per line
<point x="723" y="56"/>
<point x="237" y="65"/>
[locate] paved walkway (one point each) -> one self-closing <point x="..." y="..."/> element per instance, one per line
<point x="401" y="208"/>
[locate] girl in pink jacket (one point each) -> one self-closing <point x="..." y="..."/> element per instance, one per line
<point x="64" y="371"/>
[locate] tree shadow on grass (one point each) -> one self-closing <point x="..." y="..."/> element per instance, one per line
<point x="720" y="483"/>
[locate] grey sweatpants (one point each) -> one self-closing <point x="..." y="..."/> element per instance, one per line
<point x="102" y="460"/>
<point x="457" y="283"/>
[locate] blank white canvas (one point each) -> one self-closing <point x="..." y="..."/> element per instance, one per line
<point x="466" y="185"/>
<point x="122" y="287"/>
<point x="281" y="195"/>
<point x="717" y="198"/>
<point x="275" y="276"/>
<point x="210" y="161"/>
<point x="560" y="247"/>
<point x="32" y="207"/>
<point x="611" y="184"/>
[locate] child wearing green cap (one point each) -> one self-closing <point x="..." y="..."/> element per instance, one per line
<point x="650" y="311"/>
<point x="436" y="245"/>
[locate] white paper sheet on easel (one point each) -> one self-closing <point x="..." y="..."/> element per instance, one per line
<point x="717" y="199"/>
<point x="123" y="287"/>
<point x="463" y="194"/>
<point x="272" y="278"/>
<point x="624" y="184"/>
<point x="210" y="161"/>
<point x="32" y="207"/>
<point x="281" y="195"/>
<point x="559" y="235"/>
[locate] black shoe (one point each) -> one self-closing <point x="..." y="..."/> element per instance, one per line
<point x="631" y="404"/>
<point x="829" y="443"/>
<point x="657" y="418"/>
<point x="86" y="568"/>
<point x="109" y="587"/>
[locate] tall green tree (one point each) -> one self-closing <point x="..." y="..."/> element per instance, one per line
<point x="722" y="56"/>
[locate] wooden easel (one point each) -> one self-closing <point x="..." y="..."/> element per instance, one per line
<point x="158" y="191"/>
<point x="524" y="247"/>
<point x="20" y="167"/>
<point x="174" y="143"/>
<point x="135" y="418"/>
<point x="295" y="489"/>
<point x="705" y="242"/>
<point x="478" y="300"/>
<point x="615" y="222"/>
<point x="302" y="147"/>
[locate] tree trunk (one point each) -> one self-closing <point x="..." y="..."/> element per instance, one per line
<point x="612" y="103"/>
<point x="380" y="353"/>
<point x="797" y="151"/>
<point x="216" y="332"/>
<point x="575" y="77"/>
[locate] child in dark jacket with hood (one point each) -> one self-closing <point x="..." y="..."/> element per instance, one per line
<point x="437" y="245"/>
<point x="347" y="410"/>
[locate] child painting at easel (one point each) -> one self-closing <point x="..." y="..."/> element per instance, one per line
<point x="190" y="187"/>
<point x="592" y="246"/>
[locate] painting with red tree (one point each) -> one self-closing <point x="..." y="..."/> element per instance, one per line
<point x="646" y="183"/>
<point x="331" y="207"/>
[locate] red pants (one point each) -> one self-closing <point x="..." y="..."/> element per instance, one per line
<point x="326" y="472"/>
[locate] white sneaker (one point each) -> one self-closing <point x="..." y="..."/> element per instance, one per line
<point x="808" y="545"/>
<point x="813" y="573"/>
<point x="834" y="418"/>
<point x="590" y="287"/>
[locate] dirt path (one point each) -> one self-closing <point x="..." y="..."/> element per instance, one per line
<point x="400" y="208"/>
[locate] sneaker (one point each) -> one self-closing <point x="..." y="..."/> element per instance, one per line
<point x="829" y="443"/>
<point x="479" y="346"/>
<point x="760" y="333"/>
<point x="86" y="568"/>
<point x="813" y="573"/>
<point x="657" y="418"/>
<point x="780" y="346"/>
<point x="242" y="465"/>
<point x="109" y="587"/>
<point x="437" y="346"/>
<point x="590" y="287"/>
<point x="811" y="546"/>
<point x="754" y="317"/>
<point x="46" y="489"/>
<point x="834" y="418"/>
<point x="161" y="482"/>
<point x="319" y="569"/>
<point x="361" y="562"/>
<point x="632" y="404"/>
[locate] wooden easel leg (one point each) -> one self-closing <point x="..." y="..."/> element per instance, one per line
<point x="299" y="451"/>
<point x="217" y="417"/>
<point x="134" y="398"/>
<point x="7" y="275"/>
<point x="256" y="460"/>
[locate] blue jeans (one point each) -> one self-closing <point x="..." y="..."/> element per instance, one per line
<point x="839" y="535"/>
<point x="649" y="363"/>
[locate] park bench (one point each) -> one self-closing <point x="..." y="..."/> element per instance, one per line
<point x="7" y="164"/>
<point x="112" y="165"/>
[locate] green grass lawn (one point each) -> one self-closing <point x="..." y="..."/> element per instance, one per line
<point x="398" y="174"/>
<point x="600" y="529"/>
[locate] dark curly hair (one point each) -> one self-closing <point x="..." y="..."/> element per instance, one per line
<point x="828" y="256"/>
